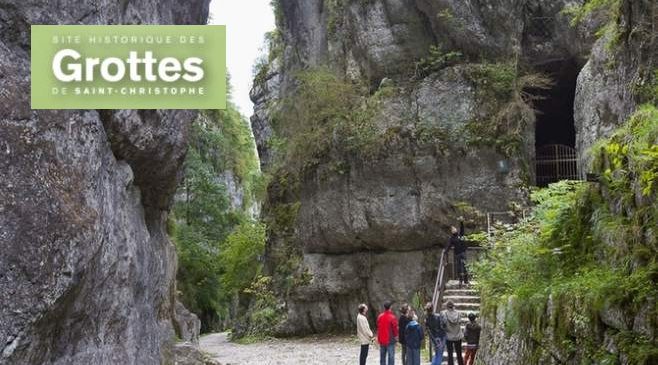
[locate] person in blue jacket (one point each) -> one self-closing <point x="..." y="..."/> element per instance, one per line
<point x="414" y="337"/>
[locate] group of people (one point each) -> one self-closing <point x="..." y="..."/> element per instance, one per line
<point x="444" y="330"/>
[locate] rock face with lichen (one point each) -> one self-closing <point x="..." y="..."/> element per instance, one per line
<point x="87" y="273"/>
<point x="619" y="76"/>
<point x="353" y="229"/>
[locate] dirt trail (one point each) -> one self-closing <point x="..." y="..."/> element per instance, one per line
<point x="303" y="351"/>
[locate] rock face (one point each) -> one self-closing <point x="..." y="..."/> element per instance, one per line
<point x="607" y="94"/>
<point x="608" y="86"/>
<point x="87" y="271"/>
<point x="384" y="38"/>
<point x="372" y="230"/>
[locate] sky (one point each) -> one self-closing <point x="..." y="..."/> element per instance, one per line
<point x="246" y="22"/>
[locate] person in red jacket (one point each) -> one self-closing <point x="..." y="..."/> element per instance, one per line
<point x="387" y="333"/>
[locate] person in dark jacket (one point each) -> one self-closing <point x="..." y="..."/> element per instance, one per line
<point x="436" y="328"/>
<point x="414" y="336"/>
<point x="402" y="324"/>
<point x="458" y="245"/>
<point x="472" y="337"/>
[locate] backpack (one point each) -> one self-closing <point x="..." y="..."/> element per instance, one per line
<point x="437" y="325"/>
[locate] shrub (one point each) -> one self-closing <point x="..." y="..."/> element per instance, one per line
<point x="326" y="113"/>
<point x="632" y="148"/>
<point x="436" y="60"/>
<point x="505" y="95"/>
<point x="264" y="314"/>
<point x="580" y="12"/>
<point x="609" y="9"/>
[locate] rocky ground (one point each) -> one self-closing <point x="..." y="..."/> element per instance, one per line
<point x="308" y="351"/>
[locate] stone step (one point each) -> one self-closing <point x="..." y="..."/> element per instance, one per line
<point x="461" y="292"/>
<point x="454" y="284"/>
<point x="468" y="307"/>
<point x="462" y="298"/>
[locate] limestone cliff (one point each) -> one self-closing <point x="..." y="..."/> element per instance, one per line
<point x="454" y="131"/>
<point x="618" y="77"/>
<point x="86" y="271"/>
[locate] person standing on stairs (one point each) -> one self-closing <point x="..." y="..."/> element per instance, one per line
<point x="414" y="336"/>
<point x="402" y="324"/>
<point x="472" y="337"/>
<point x="454" y="334"/>
<point x="387" y="333"/>
<point x="458" y="244"/>
<point x="363" y="332"/>
<point x="436" y="327"/>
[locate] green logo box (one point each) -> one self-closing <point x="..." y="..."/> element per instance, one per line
<point x="128" y="67"/>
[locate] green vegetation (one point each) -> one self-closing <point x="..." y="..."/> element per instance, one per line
<point x="224" y="142"/>
<point x="218" y="245"/>
<point x="327" y="114"/>
<point x="326" y="104"/>
<point x="580" y="12"/>
<point x="556" y="255"/>
<point x="274" y="46"/>
<point x="610" y="10"/>
<point x="505" y="94"/>
<point x="240" y="254"/>
<point x="646" y="89"/>
<point x="632" y="148"/>
<point x="264" y="313"/>
<point x="436" y="60"/>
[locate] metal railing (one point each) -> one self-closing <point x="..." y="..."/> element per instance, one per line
<point x="554" y="163"/>
<point x="439" y="287"/>
<point x="440" y="281"/>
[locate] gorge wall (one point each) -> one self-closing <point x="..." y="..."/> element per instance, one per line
<point x="87" y="273"/>
<point x="352" y="227"/>
<point x="617" y="87"/>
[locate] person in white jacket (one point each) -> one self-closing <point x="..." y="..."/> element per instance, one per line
<point x="363" y="332"/>
<point x="454" y="333"/>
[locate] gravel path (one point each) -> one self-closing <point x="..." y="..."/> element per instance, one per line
<point x="303" y="351"/>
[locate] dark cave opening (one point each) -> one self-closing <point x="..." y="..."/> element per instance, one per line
<point x="555" y="133"/>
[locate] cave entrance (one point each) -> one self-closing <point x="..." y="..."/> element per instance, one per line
<point x="555" y="134"/>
